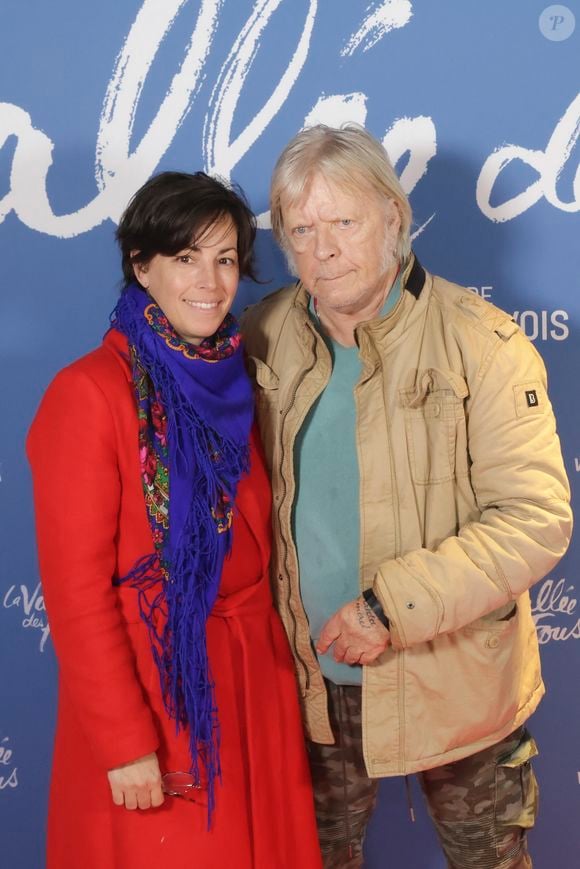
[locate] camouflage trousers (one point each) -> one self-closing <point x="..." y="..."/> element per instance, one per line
<point x="481" y="806"/>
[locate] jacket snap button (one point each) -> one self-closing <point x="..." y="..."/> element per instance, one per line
<point x="436" y="409"/>
<point x="493" y="642"/>
<point x="280" y="578"/>
<point x="410" y="605"/>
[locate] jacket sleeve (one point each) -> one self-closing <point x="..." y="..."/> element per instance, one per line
<point x="72" y="451"/>
<point x="518" y="478"/>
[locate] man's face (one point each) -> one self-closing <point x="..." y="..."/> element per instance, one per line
<point x="342" y="244"/>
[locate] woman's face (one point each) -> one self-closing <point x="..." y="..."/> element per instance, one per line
<point x="196" y="287"/>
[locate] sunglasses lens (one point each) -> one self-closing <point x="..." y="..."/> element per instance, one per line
<point x="182" y="784"/>
<point x="177" y="782"/>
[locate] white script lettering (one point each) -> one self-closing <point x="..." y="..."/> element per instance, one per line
<point x="118" y="172"/>
<point x="389" y="15"/>
<point x="122" y="166"/>
<point x="549" y="165"/>
<point x="31" y="605"/>
<point x="554" y="599"/>
<point x="8" y="772"/>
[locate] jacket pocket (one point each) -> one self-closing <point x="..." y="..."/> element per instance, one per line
<point x="266" y="394"/>
<point x="434" y="423"/>
<point x="498" y="621"/>
<point x="266" y="381"/>
<point x="263" y="375"/>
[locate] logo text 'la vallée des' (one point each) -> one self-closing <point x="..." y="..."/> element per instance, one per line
<point x="31" y="604"/>
<point x="8" y="771"/>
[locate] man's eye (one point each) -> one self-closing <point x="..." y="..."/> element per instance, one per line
<point x="300" y="230"/>
<point x="186" y="259"/>
<point x="345" y="221"/>
<point x="227" y="261"/>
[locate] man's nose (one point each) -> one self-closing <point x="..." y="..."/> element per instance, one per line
<point x="325" y="243"/>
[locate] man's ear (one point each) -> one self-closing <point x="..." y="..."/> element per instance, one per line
<point x="393" y="217"/>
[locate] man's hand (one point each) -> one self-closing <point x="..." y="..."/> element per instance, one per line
<point x="357" y="634"/>
<point x="137" y="784"/>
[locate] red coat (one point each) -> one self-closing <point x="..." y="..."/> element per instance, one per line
<point x="92" y="526"/>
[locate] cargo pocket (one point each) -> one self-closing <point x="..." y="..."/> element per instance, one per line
<point x="516" y="796"/>
<point x="435" y="425"/>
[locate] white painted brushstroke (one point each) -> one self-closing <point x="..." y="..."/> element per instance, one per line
<point x="220" y="153"/>
<point x="381" y="19"/>
<point x="337" y="109"/>
<point x="418" y="137"/>
<point x="118" y="172"/>
<point x="549" y="164"/>
<point x="332" y="110"/>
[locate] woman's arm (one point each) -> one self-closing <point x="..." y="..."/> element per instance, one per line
<point x="77" y="488"/>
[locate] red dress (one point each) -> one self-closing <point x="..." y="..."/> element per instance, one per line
<point x="91" y="526"/>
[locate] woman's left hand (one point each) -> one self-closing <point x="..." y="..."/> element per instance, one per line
<point x="137" y="784"/>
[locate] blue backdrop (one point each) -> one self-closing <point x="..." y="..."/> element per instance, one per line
<point x="478" y="104"/>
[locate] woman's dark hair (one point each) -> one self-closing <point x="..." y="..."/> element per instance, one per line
<point x="173" y="210"/>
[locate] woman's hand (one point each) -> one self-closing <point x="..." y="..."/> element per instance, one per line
<point x="137" y="784"/>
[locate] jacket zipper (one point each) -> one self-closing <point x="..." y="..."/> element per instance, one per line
<point x="282" y="499"/>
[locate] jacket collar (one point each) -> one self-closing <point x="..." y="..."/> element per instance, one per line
<point x="414" y="279"/>
<point x="413" y="282"/>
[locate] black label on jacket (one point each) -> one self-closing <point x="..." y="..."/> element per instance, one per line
<point x="531" y="398"/>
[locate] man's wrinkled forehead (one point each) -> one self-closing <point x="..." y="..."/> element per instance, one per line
<point x="330" y="190"/>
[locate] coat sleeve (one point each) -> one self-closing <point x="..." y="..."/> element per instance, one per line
<point x="72" y="451"/>
<point x="521" y="488"/>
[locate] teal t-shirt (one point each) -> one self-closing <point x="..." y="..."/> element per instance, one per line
<point x="326" y="507"/>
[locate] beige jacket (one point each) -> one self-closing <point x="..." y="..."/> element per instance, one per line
<point x="463" y="506"/>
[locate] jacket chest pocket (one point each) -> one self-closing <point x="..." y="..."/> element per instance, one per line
<point x="266" y="395"/>
<point x="435" y="425"/>
<point x="266" y="383"/>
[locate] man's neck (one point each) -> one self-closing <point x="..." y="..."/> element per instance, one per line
<point x="340" y="324"/>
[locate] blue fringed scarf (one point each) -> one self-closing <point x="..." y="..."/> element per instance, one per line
<point x="195" y="411"/>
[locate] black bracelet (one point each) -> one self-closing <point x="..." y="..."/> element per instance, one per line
<point x="372" y="600"/>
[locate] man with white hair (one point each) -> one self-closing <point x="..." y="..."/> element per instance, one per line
<point x="419" y="491"/>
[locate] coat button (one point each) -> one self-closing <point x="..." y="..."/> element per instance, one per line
<point x="410" y="605"/>
<point x="493" y="642"/>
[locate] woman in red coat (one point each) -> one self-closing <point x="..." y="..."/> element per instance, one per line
<point x="178" y="740"/>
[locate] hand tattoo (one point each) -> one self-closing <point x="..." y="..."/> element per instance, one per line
<point x="365" y="616"/>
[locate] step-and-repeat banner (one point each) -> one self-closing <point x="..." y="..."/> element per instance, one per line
<point x="478" y="105"/>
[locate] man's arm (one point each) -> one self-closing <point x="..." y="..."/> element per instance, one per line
<point x="521" y="487"/>
<point x="520" y="484"/>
